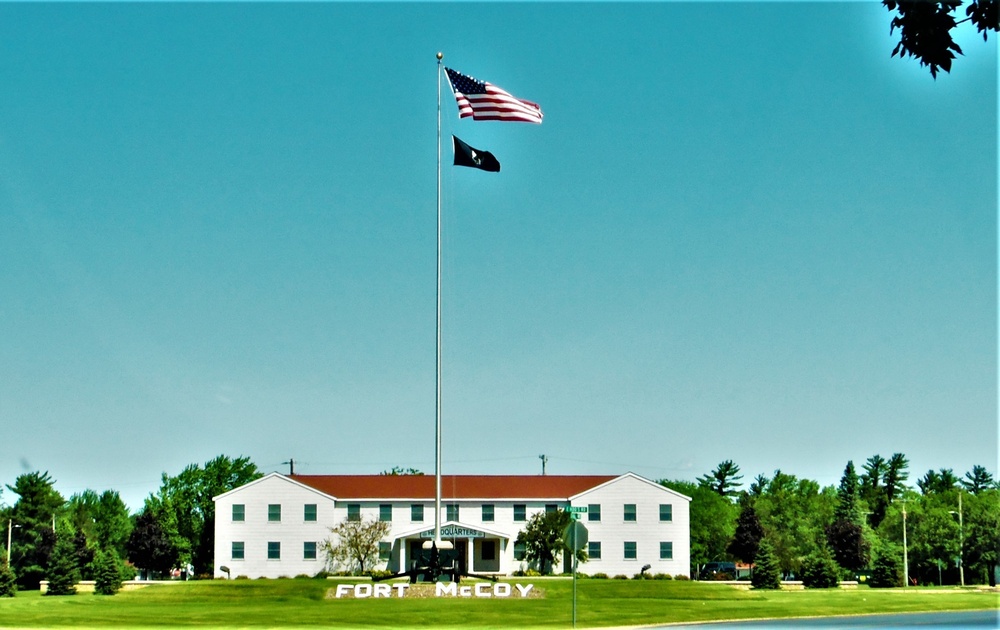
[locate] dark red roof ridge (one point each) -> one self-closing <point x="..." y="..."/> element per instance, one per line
<point x="453" y="486"/>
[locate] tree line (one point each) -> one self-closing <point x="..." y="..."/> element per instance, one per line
<point x="93" y="535"/>
<point x="854" y="530"/>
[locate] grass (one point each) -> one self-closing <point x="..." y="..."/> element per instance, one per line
<point x="299" y="603"/>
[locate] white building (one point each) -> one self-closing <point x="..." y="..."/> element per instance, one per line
<point x="275" y="526"/>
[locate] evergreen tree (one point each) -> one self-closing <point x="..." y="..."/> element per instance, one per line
<point x="8" y="581"/>
<point x="749" y="533"/>
<point x="820" y="571"/>
<point x="977" y="480"/>
<point x="886" y="571"/>
<point x="845" y="535"/>
<point x="107" y="573"/>
<point x="767" y="574"/>
<point x="937" y="482"/>
<point x="63" y="573"/>
<point x="724" y="480"/>
<point x="35" y="512"/>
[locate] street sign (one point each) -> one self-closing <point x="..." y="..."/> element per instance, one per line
<point x="574" y="509"/>
<point x="576" y="535"/>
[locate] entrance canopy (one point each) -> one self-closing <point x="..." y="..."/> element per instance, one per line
<point x="452" y="530"/>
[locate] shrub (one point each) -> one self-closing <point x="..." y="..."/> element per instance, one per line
<point x="600" y="576"/>
<point x="621" y="576"/>
<point x="8" y="580"/>
<point x="642" y="576"/>
<point x="322" y="575"/>
<point x="819" y="570"/>
<point x="303" y="576"/>
<point x="662" y="576"/>
<point x="127" y="570"/>
<point x="242" y="577"/>
<point x="682" y="577"/>
<point x="531" y="573"/>
<point x="379" y="573"/>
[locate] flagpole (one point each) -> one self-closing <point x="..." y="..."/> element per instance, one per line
<point x="437" y="362"/>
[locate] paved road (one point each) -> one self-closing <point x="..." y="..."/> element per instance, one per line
<point x="966" y="619"/>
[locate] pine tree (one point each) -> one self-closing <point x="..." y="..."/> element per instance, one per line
<point x="820" y="571"/>
<point x="63" y="573"/>
<point x="107" y="574"/>
<point x="885" y="568"/>
<point x="767" y="575"/>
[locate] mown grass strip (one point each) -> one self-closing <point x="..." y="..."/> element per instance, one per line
<point x="601" y="603"/>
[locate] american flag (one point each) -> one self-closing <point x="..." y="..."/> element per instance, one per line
<point x="484" y="101"/>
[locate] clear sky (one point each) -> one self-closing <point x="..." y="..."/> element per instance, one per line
<point x="743" y="232"/>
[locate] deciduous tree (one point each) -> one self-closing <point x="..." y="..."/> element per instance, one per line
<point x="150" y="546"/>
<point x="713" y="521"/>
<point x="542" y="537"/>
<point x="355" y="544"/>
<point x="925" y="28"/>
<point x="749" y="533"/>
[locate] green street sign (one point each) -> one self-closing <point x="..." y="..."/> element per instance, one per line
<point x="574" y="509"/>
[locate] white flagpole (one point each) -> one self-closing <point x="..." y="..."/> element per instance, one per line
<point x="437" y="376"/>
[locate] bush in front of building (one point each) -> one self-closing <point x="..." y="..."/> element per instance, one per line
<point x="662" y="576"/>
<point x="682" y="577"/>
<point x="621" y="576"/>
<point x="600" y="576"/>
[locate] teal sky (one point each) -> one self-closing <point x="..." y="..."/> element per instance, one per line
<point x="742" y="232"/>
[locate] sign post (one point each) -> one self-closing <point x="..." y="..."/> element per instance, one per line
<point x="578" y="536"/>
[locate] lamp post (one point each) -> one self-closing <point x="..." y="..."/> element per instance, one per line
<point x="961" y="541"/>
<point x="10" y="528"/>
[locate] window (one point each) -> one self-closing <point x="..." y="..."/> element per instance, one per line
<point x="237" y="550"/>
<point x="520" y="551"/>
<point x="630" y="550"/>
<point x="666" y="550"/>
<point x="551" y="507"/>
<point x="239" y="512"/>
<point x="384" y="550"/>
<point x="274" y="551"/>
<point x="417" y="512"/>
<point x="489" y="550"/>
<point x="274" y="512"/>
<point x="452" y="512"/>
<point x="666" y="512"/>
<point x="594" y="549"/>
<point x="308" y="551"/>
<point x="487" y="512"/>
<point x="594" y="512"/>
<point x="520" y="512"/>
<point x="310" y="512"/>
<point x="630" y="511"/>
<point x="354" y="511"/>
<point x="385" y="512"/>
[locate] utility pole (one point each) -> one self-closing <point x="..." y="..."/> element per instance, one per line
<point x="291" y="467"/>
<point x="906" y="563"/>
<point x="961" y="541"/>
<point x="545" y="459"/>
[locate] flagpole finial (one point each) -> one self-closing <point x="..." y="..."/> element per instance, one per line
<point x="440" y="56"/>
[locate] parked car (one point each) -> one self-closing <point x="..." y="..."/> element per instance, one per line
<point x="718" y="571"/>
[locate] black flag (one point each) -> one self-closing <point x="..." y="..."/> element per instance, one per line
<point x="468" y="156"/>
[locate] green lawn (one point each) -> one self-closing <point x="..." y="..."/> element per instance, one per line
<point x="297" y="603"/>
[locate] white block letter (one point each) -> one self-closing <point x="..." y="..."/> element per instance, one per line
<point x="483" y="590"/>
<point x="524" y="588"/>
<point x="342" y="590"/>
<point x="445" y="588"/>
<point x="401" y="589"/>
<point x="501" y="589"/>
<point x="362" y="590"/>
<point x="383" y="590"/>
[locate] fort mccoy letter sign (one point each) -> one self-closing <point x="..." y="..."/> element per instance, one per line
<point x="485" y="590"/>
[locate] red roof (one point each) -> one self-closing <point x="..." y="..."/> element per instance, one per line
<point x="453" y="486"/>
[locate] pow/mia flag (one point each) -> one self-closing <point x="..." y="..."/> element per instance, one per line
<point x="469" y="156"/>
